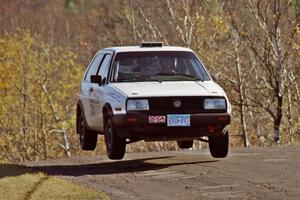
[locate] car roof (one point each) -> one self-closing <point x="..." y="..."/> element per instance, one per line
<point x="139" y="49"/>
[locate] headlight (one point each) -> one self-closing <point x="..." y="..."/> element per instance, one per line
<point x="214" y="104"/>
<point x="137" y="104"/>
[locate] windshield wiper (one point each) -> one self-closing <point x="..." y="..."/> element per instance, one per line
<point x="180" y="74"/>
<point x="190" y="76"/>
<point x="139" y="80"/>
<point x="152" y="79"/>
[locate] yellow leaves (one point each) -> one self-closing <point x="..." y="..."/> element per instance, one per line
<point x="2" y="142"/>
<point x="26" y="65"/>
<point x="296" y="40"/>
<point x="297" y="29"/>
<point x="218" y="24"/>
<point x="297" y="48"/>
<point x="210" y="27"/>
<point x="200" y="25"/>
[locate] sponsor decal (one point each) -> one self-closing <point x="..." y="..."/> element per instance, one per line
<point x="157" y="119"/>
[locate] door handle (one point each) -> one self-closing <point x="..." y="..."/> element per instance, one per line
<point x="91" y="89"/>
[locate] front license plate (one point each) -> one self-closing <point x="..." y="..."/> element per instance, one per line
<point x="178" y="120"/>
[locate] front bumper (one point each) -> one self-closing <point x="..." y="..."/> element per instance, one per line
<point x="137" y="126"/>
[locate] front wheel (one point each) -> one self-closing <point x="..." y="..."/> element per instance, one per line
<point x="218" y="145"/>
<point x="115" y="145"/>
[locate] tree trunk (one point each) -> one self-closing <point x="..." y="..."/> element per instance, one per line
<point x="66" y="144"/>
<point x="241" y="89"/>
<point x="278" y="118"/>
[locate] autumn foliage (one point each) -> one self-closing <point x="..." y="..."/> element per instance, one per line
<point x="36" y="109"/>
<point x="253" y="47"/>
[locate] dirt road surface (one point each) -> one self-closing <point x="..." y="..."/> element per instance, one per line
<point x="260" y="173"/>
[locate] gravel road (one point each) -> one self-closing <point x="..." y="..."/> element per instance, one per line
<point x="260" y="173"/>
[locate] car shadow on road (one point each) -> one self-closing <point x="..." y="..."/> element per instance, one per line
<point x="115" y="167"/>
<point x="7" y="170"/>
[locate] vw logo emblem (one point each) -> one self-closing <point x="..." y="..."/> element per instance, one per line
<point x="177" y="103"/>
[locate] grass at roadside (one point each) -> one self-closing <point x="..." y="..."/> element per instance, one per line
<point x="17" y="182"/>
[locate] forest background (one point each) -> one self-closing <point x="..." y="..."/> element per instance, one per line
<point x="251" y="46"/>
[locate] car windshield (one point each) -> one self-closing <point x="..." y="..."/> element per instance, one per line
<point x="158" y="66"/>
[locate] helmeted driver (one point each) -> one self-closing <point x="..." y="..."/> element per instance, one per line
<point x="167" y="65"/>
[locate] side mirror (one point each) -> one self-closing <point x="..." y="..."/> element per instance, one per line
<point x="96" y="79"/>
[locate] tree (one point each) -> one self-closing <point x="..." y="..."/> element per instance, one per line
<point x="269" y="35"/>
<point x="37" y="81"/>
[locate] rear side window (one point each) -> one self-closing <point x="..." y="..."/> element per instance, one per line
<point x="93" y="67"/>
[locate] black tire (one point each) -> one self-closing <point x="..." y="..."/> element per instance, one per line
<point x="87" y="138"/>
<point x="185" y="144"/>
<point x="115" y="145"/>
<point x="218" y="145"/>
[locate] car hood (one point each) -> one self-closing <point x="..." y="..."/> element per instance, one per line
<point x="169" y="88"/>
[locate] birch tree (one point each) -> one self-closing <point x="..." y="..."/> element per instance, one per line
<point x="38" y="94"/>
<point x="269" y="35"/>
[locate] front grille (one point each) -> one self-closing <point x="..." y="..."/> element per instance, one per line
<point x="189" y="105"/>
<point x="166" y="105"/>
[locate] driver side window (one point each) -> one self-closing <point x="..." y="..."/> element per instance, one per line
<point x="104" y="68"/>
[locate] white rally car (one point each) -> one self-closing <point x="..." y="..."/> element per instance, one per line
<point x="153" y="93"/>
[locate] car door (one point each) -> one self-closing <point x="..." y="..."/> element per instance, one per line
<point x="98" y="94"/>
<point x="86" y="88"/>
